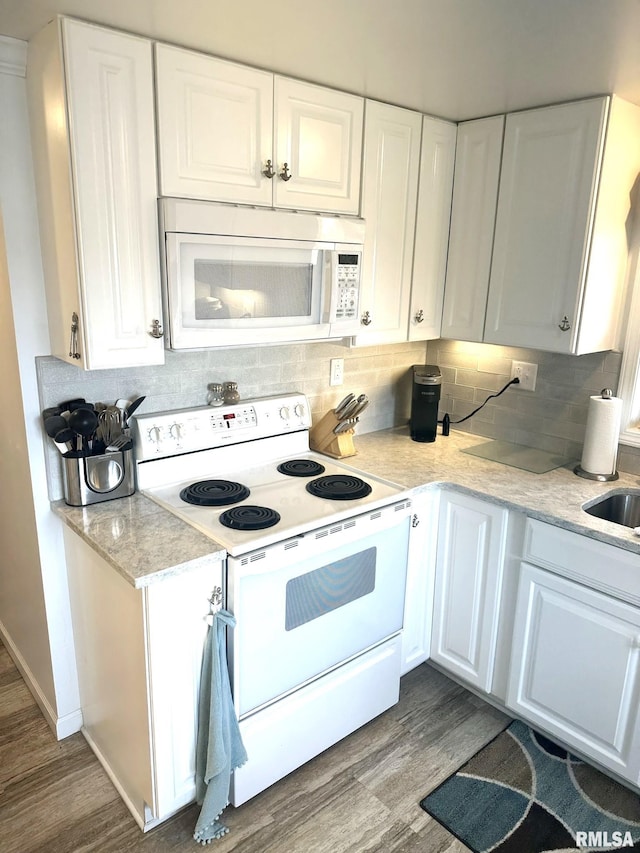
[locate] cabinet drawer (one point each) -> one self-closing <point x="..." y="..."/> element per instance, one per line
<point x="604" y="567"/>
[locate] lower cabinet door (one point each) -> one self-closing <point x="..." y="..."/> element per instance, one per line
<point x="575" y="668"/>
<point x="469" y="566"/>
<point x="175" y="615"/>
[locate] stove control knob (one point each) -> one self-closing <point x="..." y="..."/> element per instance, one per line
<point x="176" y="431"/>
<point x="299" y="410"/>
<point x="155" y="434"/>
<point x="285" y="414"/>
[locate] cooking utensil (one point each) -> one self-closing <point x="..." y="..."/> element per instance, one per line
<point x="53" y="410"/>
<point x="132" y="408"/>
<point x="84" y="423"/>
<point x="53" y="424"/>
<point x="122" y="405"/>
<point x="109" y="425"/>
<point x="120" y="442"/>
<point x="64" y="407"/>
<point x="66" y="437"/>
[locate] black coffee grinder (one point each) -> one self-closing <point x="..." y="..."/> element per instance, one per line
<point x="425" y="397"/>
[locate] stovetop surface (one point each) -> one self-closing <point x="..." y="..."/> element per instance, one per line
<point x="299" y="510"/>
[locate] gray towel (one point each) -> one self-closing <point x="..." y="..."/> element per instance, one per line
<point x="219" y="748"/>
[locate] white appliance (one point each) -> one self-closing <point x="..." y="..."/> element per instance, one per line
<point x="240" y="275"/>
<point x="315" y="575"/>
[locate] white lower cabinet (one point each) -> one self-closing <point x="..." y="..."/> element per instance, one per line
<point x="472" y="537"/>
<point x="575" y="668"/>
<point x="138" y="654"/>
<point x="418" y="606"/>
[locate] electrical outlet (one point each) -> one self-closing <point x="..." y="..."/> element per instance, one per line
<point x="527" y="374"/>
<point x="336" y="376"/>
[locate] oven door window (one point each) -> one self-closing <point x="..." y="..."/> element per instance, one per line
<point x="236" y="283"/>
<point x="315" y="593"/>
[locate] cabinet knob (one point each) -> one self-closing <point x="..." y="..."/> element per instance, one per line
<point x="73" y="337"/>
<point x="156" y="329"/>
<point x="564" y="325"/>
<point x="285" y="174"/>
<point x="366" y="319"/>
<point x="419" y="317"/>
<point x="268" y="171"/>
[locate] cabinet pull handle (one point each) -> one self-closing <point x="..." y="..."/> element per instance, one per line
<point x="419" y="317"/>
<point x="564" y="325"/>
<point x="415" y="521"/>
<point x="73" y="338"/>
<point x="156" y="329"/>
<point x="285" y="174"/>
<point x="366" y="319"/>
<point x="268" y="171"/>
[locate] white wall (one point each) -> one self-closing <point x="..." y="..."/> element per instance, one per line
<point x="35" y="622"/>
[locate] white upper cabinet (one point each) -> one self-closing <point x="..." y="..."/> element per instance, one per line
<point x="318" y="144"/>
<point x="92" y="113"/>
<point x="553" y="272"/>
<point x="432" y="228"/>
<point x="473" y="212"/>
<point x="389" y="198"/>
<point x="560" y="248"/>
<point x="406" y="204"/>
<point x="215" y="127"/>
<point x="227" y="132"/>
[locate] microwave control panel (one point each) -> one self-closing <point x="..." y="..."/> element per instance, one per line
<point x="348" y="281"/>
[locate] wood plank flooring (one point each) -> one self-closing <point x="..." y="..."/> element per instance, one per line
<point x="360" y="796"/>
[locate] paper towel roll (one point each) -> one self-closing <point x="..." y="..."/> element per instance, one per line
<point x="600" y="448"/>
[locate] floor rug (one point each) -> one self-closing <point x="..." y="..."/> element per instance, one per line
<point x="523" y="794"/>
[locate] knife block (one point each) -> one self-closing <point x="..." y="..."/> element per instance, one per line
<point x="323" y="439"/>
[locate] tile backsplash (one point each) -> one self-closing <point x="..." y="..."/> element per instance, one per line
<point x="553" y="417"/>
<point x="381" y="372"/>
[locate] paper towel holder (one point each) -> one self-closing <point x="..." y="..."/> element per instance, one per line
<point x="607" y="394"/>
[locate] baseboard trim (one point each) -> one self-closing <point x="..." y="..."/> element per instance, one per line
<point x="62" y="727"/>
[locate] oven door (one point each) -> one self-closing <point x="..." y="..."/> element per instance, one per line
<point x="312" y="603"/>
<point x="224" y="290"/>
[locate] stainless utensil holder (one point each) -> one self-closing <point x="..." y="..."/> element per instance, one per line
<point x="93" y="479"/>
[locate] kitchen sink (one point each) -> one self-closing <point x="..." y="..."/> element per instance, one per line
<point x="621" y="507"/>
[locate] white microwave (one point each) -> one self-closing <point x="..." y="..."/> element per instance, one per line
<point x="234" y="276"/>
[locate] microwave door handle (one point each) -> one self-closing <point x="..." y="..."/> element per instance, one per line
<point x="330" y="295"/>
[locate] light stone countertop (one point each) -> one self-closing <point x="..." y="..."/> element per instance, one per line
<point x="142" y="541"/>
<point x="556" y="497"/>
<point x="145" y="543"/>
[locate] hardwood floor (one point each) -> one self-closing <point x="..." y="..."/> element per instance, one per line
<point x="361" y="795"/>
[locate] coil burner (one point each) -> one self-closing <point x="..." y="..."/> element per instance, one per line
<point x="339" y="487"/>
<point x="247" y="517"/>
<point x="301" y="468"/>
<point x="214" y="493"/>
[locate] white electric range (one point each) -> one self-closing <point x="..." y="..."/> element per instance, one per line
<point x="315" y="573"/>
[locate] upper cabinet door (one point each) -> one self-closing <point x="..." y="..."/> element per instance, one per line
<point x="90" y="93"/>
<point x="389" y="196"/>
<point x="475" y="194"/>
<point x="318" y="147"/>
<point x="432" y="228"/>
<point x="215" y="128"/>
<point x="548" y="184"/>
